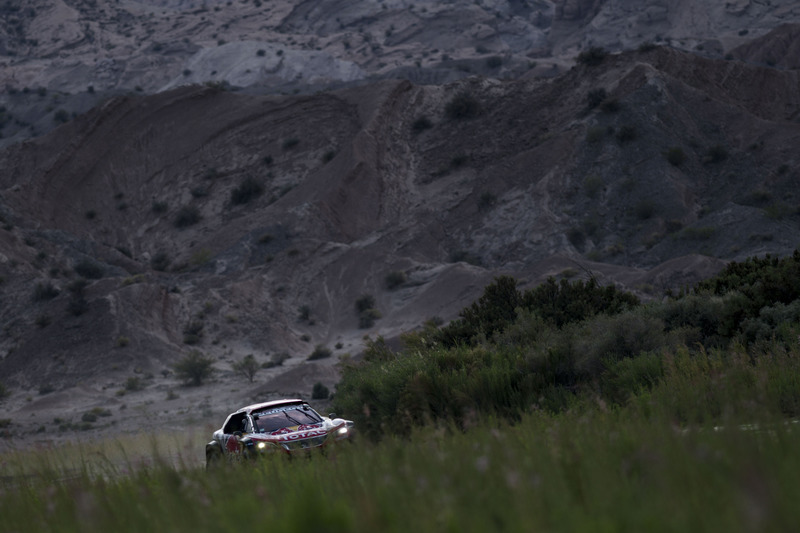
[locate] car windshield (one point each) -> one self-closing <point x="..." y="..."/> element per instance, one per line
<point x="283" y="417"/>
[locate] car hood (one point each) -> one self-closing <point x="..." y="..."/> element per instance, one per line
<point x="302" y="431"/>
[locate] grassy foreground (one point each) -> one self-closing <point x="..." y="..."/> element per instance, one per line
<point x="584" y="470"/>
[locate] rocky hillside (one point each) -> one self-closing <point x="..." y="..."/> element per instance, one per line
<point x="199" y="211"/>
<point x="62" y="57"/>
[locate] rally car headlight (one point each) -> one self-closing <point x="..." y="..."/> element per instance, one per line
<point x="341" y="431"/>
<point x="261" y="445"/>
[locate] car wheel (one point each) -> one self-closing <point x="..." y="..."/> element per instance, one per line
<point x="213" y="459"/>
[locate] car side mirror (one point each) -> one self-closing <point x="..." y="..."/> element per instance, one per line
<point x="237" y="434"/>
<point x="331" y="415"/>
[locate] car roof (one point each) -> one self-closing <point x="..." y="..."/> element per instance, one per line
<point x="274" y="403"/>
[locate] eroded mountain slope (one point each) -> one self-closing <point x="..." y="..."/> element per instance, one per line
<point x="236" y="224"/>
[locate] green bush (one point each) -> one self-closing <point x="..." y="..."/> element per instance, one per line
<point x="491" y="313"/>
<point x="626" y="378"/>
<point x="194" y="368"/>
<point x="561" y="344"/>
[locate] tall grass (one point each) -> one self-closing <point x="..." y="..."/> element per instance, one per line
<point x="587" y="469"/>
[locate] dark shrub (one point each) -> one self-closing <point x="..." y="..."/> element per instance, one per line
<point x="247" y="190"/>
<point x="133" y="384"/>
<point x="675" y="156"/>
<point x="716" y="154"/>
<point x="77" y="287"/>
<point x="494" y="62"/>
<point x="394" y="279"/>
<point x="193" y="332"/>
<point x="187" y="215"/>
<point x="77" y="306"/>
<point x="304" y="313"/>
<point x="595" y="97"/>
<point x="160" y="261"/>
<point x="44" y="291"/>
<point x="576" y="237"/>
<point x="367" y="318"/>
<point x="563" y="302"/>
<point x="487" y="200"/>
<point x="277" y="359"/>
<point x="459" y="160"/>
<point x="61" y="116"/>
<point x="290" y="143"/>
<point x="320" y="392"/>
<point x="626" y="133"/>
<point x="320" y="352"/>
<point x="644" y="209"/>
<point x="610" y="105"/>
<point x="421" y="124"/>
<point x="88" y="269"/>
<point x="494" y="310"/>
<point x="462" y="106"/>
<point x="364" y="302"/>
<point x="592" y="57"/>
<point x="626" y="378"/>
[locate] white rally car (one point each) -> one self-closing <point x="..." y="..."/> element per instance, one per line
<point x="283" y="426"/>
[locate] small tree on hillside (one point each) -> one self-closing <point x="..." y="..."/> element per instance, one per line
<point x="247" y="367"/>
<point x="194" y="368"/>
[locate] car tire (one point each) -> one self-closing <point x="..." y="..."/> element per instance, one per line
<point x="213" y="459"/>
